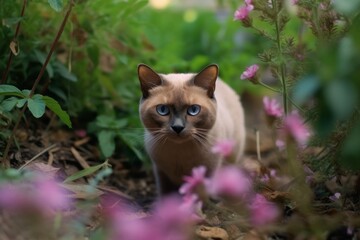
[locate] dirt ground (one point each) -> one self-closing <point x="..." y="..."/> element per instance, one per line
<point x="68" y="152"/>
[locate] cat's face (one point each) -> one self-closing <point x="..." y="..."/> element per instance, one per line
<point x="178" y="107"/>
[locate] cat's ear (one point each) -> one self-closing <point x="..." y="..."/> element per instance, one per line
<point x="206" y="79"/>
<point x="148" y="79"/>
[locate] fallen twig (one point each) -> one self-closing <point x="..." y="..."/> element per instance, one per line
<point x="38" y="155"/>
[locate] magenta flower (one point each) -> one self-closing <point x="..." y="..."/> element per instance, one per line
<point x="262" y="211"/>
<point x="268" y="176"/>
<point x="335" y="197"/>
<point x="242" y="13"/>
<point x="194" y="181"/>
<point x="12" y="196"/>
<point x="50" y="194"/>
<point x="280" y="144"/>
<point x="272" y="107"/>
<point x="223" y="147"/>
<point x="81" y="133"/>
<point x="229" y="181"/>
<point x="171" y="220"/>
<point x="294" y="2"/>
<point x="41" y="194"/>
<point x="250" y="72"/>
<point x="294" y="127"/>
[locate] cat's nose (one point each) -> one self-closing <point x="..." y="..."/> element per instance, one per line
<point x="177" y="128"/>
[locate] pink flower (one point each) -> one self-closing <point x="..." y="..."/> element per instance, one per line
<point x="250" y="72"/>
<point x="248" y="2"/>
<point x="224" y="148"/>
<point x="294" y="127"/>
<point x="280" y="144"/>
<point x="294" y="2"/>
<point x="262" y="211"/>
<point x="230" y="182"/>
<point x="41" y="194"/>
<point x="272" y="107"/>
<point x="267" y="176"/>
<point x="171" y="220"/>
<point x="50" y="194"/>
<point x="335" y="197"/>
<point x="242" y="13"/>
<point x="81" y="133"/>
<point x="11" y="196"/>
<point x="195" y="180"/>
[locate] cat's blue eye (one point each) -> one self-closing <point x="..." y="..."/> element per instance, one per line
<point x="162" y="109"/>
<point x="194" y="110"/>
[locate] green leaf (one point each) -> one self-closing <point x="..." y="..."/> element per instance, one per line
<point x="85" y="172"/>
<point x="41" y="57"/>
<point x="341" y="97"/>
<point x="107" y="142"/>
<point x="350" y="152"/>
<point x="26" y="92"/>
<point x="21" y="102"/>
<point x="11" y="90"/>
<point x="11" y="21"/>
<point x="64" y="72"/>
<point x="346" y="7"/>
<point x="9" y="103"/>
<point x="305" y="89"/>
<point x="135" y="145"/>
<point x="106" y="121"/>
<point x="36" y="105"/>
<point x="54" y="106"/>
<point x="57" y="5"/>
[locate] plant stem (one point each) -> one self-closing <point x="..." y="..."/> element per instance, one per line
<point x="282" y="64"/>
<point x="270" y="88"/>
<point x="11" y="54"/>
<point x="53" y="45"/>
<point x="5" y="160"/>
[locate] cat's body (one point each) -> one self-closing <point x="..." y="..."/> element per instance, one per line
<point x="184" y="115"/>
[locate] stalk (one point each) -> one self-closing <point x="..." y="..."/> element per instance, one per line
<point x="282" y="64"/>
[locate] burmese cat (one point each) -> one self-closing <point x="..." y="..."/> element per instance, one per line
<point x="184" y="115"/>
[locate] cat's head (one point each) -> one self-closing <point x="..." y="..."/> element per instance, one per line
<point x="178" y="106"/>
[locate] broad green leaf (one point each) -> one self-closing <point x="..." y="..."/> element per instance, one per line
<point x="41" y="57"/>
<point x="107" y="142"/>
<point x="11" y="21"/>
<point x="305" y="89"/>
<point x="351" y="150"/>
<point x="9" y="103"/>
<point x="36" y="105"/>
<point x="54" y="106"/>
<point x="26" y="92"/>
<point x="105" y="121"/>
<point x="347" y="56"/>
<point x="21" y="102"/>
<point x="10" y="90"/>
<point x="85" y="172"/>
<point x="57" y="5"/>
<point x="130" y="139"/>
<point x="64" y="72"/>
<point x="341" y="97"/>
<point x="346" y="6"/>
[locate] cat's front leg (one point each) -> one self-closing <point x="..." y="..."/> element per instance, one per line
<point x="163" y="184"/>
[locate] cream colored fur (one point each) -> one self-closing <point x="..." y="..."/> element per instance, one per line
<point x="174" y="157"/>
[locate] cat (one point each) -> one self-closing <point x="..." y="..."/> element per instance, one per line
<point x="184" y="114"/>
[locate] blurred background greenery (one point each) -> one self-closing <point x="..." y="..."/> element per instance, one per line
<point x="93" y="72"/>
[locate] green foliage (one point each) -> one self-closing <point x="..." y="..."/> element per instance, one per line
<point x="36" y="103"/>
<point x="57" y="5"/>
<point x="86" y="172"/>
